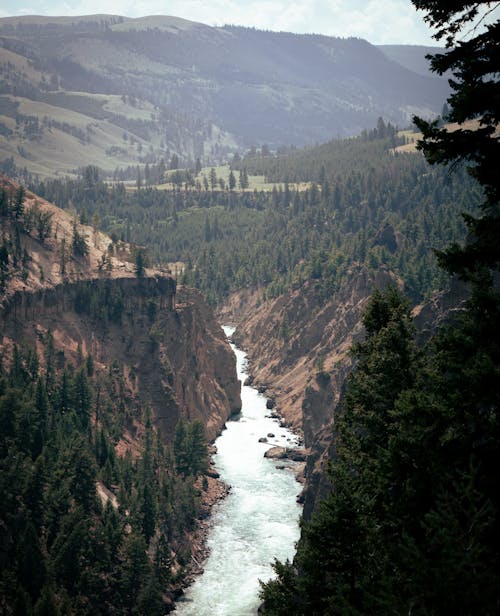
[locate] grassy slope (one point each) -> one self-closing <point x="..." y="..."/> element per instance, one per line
<point x="59" y="150"/>
<point x="270" y="87"/>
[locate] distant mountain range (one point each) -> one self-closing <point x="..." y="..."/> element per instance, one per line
<point x="114" y="91"/>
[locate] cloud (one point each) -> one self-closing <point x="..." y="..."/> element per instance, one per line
<point x="379" y="21"/>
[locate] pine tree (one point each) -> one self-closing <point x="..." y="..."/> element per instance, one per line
<point x="231" y="181"/>
<point x="78" y="243"/>
<point x="140" y="263"/>
<point x="475" y="66"/>
<point x="197" y="448"/>
<point x="18" y="203"/>
<point x="180" y="453"/>
<point x="213" y="179"/>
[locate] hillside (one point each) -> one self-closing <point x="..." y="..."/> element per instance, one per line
<point x="114" y="92"/>
<point x="72" y="268"/>
<point x="412" y="57"/>
<point x="112" y="382"/>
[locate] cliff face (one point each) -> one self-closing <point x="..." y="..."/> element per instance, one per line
<point x="164" y="345"/>
<point x="173" y="357"/>
<point x="203" y="366"/>
<point x="298" y="346"/>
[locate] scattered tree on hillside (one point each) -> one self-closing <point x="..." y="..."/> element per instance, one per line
<point x="197" y="166"/>
<point x="18" y="202"/>
<point x="78" y="243"/>
<point x="243" y="179"/>
<point x="213" y="179"/>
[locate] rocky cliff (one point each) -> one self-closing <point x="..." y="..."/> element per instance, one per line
<point x="164" y="342"/>
<point x="298" y="348"/>
<point x="172" y="357"/>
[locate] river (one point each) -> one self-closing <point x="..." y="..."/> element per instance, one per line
<point x="257" y="522"/>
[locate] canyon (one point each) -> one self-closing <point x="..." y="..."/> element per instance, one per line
<point x="303" y="366"/>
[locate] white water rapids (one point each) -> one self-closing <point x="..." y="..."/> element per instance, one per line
<point x="257" y="522"/>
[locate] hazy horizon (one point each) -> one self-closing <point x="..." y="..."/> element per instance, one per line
<point x="386" y="22"/>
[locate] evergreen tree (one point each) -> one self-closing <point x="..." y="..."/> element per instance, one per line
<point x="231" y="181"/>
<point x="78" y="243"/>
<point x="18" y="203"/>
<point x="411" y="524"/>
<point x="197" y="448"/>
<point x="30" y="561"/>
<point x="213" y="179"/>
<point x="140" y="263"/>
<point x="475" y="66"/>
<point x="180" y="453"/>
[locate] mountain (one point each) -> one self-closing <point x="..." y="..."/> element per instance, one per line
<point x="412" y="57"/>
<point x="114" y="91"/>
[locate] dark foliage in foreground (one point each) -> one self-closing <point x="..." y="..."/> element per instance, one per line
<point x="412" y="523"/>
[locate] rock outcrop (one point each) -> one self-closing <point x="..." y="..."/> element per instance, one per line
<point x="298" y="346"/>
<point x="286" y="453"/>
<point x="172" y="357"/>
<point x="164" y="343"/>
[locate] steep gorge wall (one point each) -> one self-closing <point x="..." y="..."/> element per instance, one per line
<point x="298" y="348"/>
<point x="172" y="356"/>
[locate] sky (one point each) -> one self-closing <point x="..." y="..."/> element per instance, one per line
<point x="378" y="21"/>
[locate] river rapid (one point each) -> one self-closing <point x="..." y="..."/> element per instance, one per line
<point x="257" y="522"/>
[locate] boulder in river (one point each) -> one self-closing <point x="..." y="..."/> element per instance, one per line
<point x="286" y="453"/>
<point x="270" y="403"/>
<point x="263" y="439"/>
<point x="276" y="453"/>
<point x="297" y="455"/>
<point x="270" y="435"/>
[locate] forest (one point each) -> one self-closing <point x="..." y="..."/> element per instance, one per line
<point x="87" y="526"/>
<point x="69" y="544"/>
<point x="411" y="524"/>
<point x="363" y="203"/>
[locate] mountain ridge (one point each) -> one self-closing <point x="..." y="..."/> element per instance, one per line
<point x="135" y="91"/>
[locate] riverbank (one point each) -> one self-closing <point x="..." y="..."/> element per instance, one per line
<point x="215" y="491"/>
<point x="256" y="523"/>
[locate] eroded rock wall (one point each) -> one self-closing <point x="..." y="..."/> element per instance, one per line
<point x="171" y="352"/>
<point x="298" y="347"/>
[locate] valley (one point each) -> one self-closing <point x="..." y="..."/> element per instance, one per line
<point x="162" y="178"/>
<point x="119" y="93"/>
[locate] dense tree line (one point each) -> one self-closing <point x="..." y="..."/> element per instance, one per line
<point x="65" y="549"/>
<point x="363" y="203"/>
<point x="412" y="522"/>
